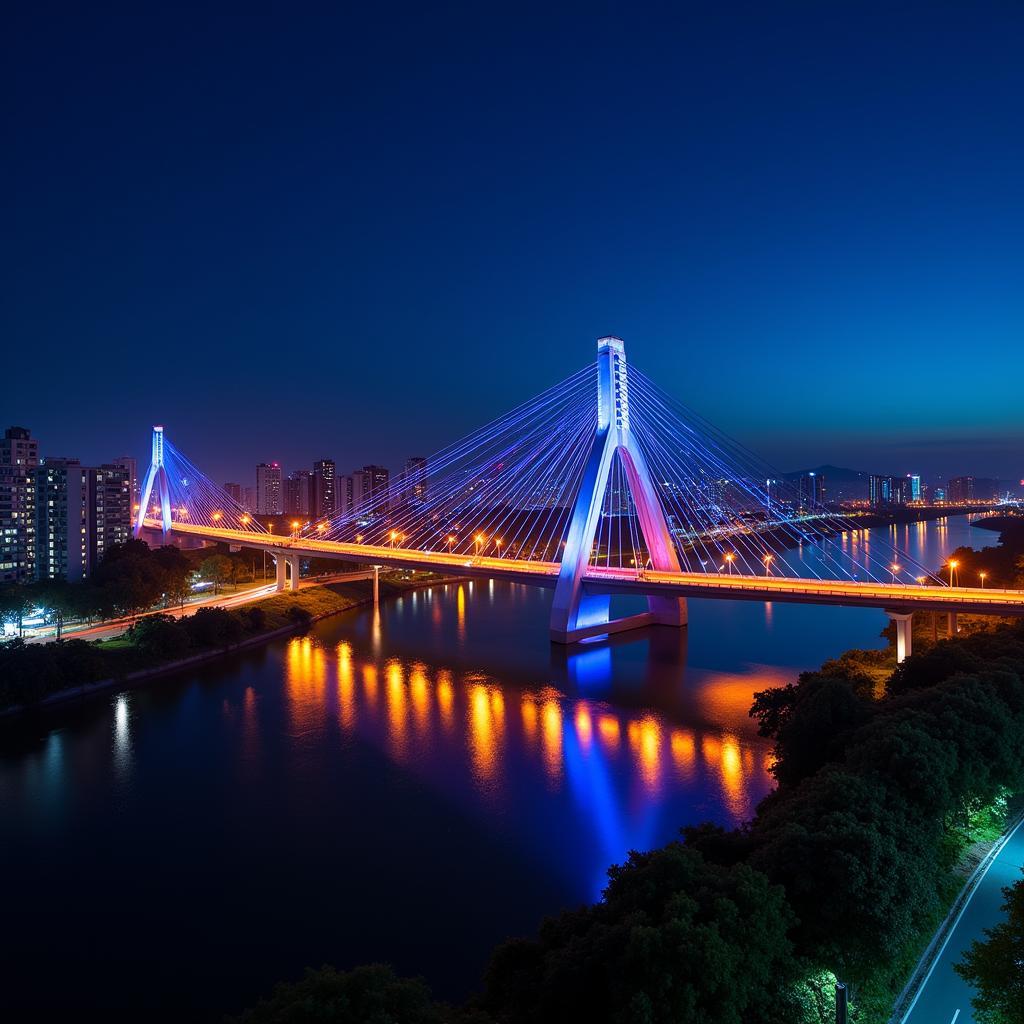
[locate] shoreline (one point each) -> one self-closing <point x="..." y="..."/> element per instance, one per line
<point x="86" y="691"/>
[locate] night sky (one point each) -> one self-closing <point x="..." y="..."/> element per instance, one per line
<point x="288" y="235"/>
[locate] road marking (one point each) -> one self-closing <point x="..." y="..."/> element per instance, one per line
<point x="955" y="1015"/>
<point x="952" y="931"/>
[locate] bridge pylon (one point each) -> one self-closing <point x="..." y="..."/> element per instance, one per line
<point x="577" y="611"/>
<point x="156" y="478"/>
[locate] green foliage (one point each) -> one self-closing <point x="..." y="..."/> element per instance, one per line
<point x="811" y="722"/>
<point x="367" y="995"/>
<point x="218" y="570"/>
<point x="161" y="636"/>
<point x="675" y="938"/>
<point x="995" y="967"/>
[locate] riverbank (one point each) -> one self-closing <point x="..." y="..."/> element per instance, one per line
<point x="36" y="678"/>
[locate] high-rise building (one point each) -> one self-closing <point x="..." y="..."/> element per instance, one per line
<point x="325" y="497"/>
<point x="132" y="465"/>
<point x="343" y="495"/>
<point x="960" y="490"/>
<point x="370" y="487"/>
<point x="915" y="487"/>
<point x="414" y="480"/>
<point x="110" y="508"/>
<point x="298" y="493"/>
<point x="234" y="492"/>
<point x="811" y="491"/>
<point x="888" y="490"/>
<point x="249" y="499"/>
<point x="62" y="520"/>
<point x="269" y="497"/>
<point x="81" y="513"/>
<point x="19" y="456"/>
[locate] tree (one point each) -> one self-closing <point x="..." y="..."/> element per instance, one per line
<point x="217" y="570"/>
<point x="810" y="722"/>
<point x="367" y="995"/>
<point x="857" y="861"/>
<point x="676" y="938"/>
<point x="995" y="967"/>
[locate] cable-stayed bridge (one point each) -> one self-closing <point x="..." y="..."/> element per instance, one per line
<point x="603" y="484"/>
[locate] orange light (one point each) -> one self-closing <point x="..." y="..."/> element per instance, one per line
<point x="729" y="557"/>
<point x="244" y="520"/>
<point x="321" y="527"/>
<point x="295" y="524"/>
<point x="359" y="538"/>
<point x="217" y="515"/>
<point x="953" y="564"/>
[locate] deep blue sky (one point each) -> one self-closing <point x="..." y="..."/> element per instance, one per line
<point x="289" y="234"/>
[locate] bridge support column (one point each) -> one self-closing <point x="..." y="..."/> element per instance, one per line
<point x="904" y="634"/>
<point x="953" y="627"/>
<point x="376" y="586"/>
<point x="282" y="570"/>
<point x="293" y="565"/>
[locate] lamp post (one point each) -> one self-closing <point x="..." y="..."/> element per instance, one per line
<point x="983" y="575"/>
<point x="451" y="540"/>
<point x="768" y="564"/>
<point x="894" y="568"/>
<point x="953" y="563"/>
<point x="729" y="559"/>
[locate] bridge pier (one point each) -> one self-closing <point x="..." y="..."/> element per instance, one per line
<point x="953" y="627"/>
<point x="904" y="634"/>
<point x="282" y="571"/>
<point x="376" y="586"/>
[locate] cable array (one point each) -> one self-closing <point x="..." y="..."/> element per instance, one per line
<point x="508" y="490"/>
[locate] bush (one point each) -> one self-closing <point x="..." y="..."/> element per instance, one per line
<point x="161" y="637"/>
<point x="213" y="627"/>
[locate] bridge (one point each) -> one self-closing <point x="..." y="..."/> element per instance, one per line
<point x="630" y="495"/>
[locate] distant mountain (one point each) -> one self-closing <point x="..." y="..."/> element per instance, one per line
<point x="841" y="484"/>
<point x="837" y="473"/>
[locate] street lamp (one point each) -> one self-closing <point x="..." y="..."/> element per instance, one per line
<point x="729" y="559"/>
<point x="982" y="575"/>
<point x="479" y="539"/>
<point x="768" y="564"/>
<point x="953" y="563"/>
<point x="895" y="568"/>
<point x="218" y="516"/>
<point x="451" y="540"/>
<point x="295" y="527"/>
<point x="497" y="544"/>
<point x="244" y="520"/>
<point x="394" y="537"/>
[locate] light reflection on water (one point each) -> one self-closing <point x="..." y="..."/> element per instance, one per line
<point x="491" y="744"/>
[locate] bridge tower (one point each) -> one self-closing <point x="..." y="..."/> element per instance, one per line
<point x="579" y="612"/>
<point x="156" y="477"/>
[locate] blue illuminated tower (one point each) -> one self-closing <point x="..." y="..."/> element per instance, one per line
<point x="579" y="609"/>
<point x="156" y="476"/>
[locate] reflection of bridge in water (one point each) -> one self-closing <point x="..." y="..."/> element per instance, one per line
<point x="635" y="493"/>
<point x="614" y="753"/>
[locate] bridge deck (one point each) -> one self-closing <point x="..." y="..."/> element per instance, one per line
<point x="894" y="596"/>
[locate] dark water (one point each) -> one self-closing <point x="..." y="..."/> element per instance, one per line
<point x="410" y="787"/>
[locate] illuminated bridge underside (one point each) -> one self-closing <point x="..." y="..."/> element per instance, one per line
<point x="614" y="580"/>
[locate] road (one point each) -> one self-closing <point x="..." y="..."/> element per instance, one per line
<point x="115" y="627"/>
<point x="945" y="997"/>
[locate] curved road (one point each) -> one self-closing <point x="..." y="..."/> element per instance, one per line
<point x="945" y="997"/>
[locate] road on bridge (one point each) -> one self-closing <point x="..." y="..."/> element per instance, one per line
<point x="945" y="997"/>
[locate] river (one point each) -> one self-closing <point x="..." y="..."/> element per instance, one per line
<point x="410" y="787"/>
